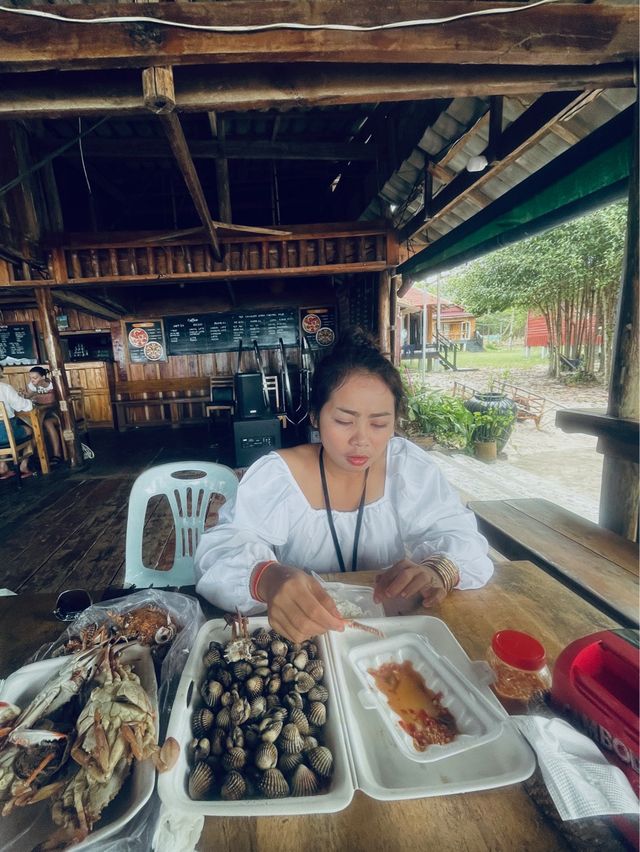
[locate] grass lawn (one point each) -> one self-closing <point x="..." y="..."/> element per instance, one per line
<point x="498" y="359"/>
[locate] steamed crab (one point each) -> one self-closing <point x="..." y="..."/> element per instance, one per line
<point x="149" y="625"/>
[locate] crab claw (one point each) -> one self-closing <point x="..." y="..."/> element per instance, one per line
<point x="166" y="758"/>
<point x="33" y="736"/>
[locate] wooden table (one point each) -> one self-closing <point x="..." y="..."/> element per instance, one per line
<point x="35" y="419"/>
<point x="520" y="595"/>
<point x="596" y="563"/>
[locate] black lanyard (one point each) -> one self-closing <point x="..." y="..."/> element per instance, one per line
<point x="327" y="505"/>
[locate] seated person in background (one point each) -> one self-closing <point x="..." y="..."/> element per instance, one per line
<point x="40" y="390"/>
<point x="13" y="402"/>
<point x="362" y="499"/>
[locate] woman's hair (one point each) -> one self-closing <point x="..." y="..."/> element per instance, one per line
<point x="40" y="371"/>
<point x="355" y="352"/>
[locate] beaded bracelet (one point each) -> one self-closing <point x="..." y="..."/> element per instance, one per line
<point x="256" y="576"/>
<point x="444" y="568"/>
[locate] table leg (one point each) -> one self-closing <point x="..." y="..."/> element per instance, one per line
<point x="40" y="443"/>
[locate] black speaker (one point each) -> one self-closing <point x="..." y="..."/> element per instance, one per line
<point x="255" y="438"/>
<point x="249" y="396"/>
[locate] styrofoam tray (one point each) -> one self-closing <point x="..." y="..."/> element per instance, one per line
<point x="478" y="721"/>
<point x="366" y="756"/>
<point x="19" y="688"/>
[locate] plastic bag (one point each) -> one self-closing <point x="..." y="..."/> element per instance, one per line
<point x="185" y="611"/>
<point x="354" y="601"/>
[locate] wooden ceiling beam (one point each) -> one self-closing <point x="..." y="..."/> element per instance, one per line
<point x="559" y="34"/>
<point x="222" y="89"/>
<point x="85" y="303"/>
<point x="218" y="149"/>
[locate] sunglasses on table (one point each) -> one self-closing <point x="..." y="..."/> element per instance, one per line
<point x="71" y="603"/>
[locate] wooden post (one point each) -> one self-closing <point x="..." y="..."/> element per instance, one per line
<point x="619" y="492"/>
<point x="218" y="131"/>
<point x="383" y="312"/>
<point x="58" y="375"/>
<point x="395" y="337"/>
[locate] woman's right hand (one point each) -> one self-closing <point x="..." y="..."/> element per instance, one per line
<point x="297" y="605"/>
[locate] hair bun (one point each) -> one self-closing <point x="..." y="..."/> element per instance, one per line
<point x="356" y="337"/>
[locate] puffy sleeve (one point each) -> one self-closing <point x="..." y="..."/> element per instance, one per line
<point x="249" y="528"/>
<point x="434" y="520"/>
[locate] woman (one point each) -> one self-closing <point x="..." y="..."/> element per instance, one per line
<point x="13" y="402"/>
<point x="361" y="499"/>
<point x="40" y="389"/>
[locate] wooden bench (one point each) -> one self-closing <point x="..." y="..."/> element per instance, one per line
<point x="155" y="393"/>
<point x="599" y="565"/>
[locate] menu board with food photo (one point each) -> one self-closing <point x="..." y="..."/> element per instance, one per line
<point x="319" y="327"/>
<point x="145" y="341"/>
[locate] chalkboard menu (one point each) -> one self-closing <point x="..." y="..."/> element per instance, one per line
<point x="199" y="333"/>
<point x="17" y="344"/>
<point x="363" y="304"/>
<point x="145" y="341"/>
<point x="318" y="327"/>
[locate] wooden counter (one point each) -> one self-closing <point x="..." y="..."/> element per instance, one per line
<point x="519" y="596"/>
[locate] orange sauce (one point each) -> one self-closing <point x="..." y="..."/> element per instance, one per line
<point x="422" y="716"/>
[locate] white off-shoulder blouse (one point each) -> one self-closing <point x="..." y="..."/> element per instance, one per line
<point x="270" y="518"/>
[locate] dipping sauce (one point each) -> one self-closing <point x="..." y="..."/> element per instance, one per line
<point x="422" y="716"/>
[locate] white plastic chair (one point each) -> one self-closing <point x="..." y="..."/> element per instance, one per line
<point x="188" y="487"/>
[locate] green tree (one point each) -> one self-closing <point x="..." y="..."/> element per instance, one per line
<point x="570" y="275"/>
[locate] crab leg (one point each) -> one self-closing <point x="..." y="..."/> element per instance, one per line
<point x="357" y="625"/>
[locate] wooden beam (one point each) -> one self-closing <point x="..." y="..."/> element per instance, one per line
<point x="218" y="131"/>
<point x="560" y="34"/>
<point x="211" y="88"/>
<point x="53" y="349"/>
<point x="619" y="491"/>
<point x="87" y="304"/>
<point x="384" y="313"/>
<point x="219" y="149"/>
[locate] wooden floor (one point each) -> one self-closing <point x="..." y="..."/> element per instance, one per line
<point x="67" y="529"/>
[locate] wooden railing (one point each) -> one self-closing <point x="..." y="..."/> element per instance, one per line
<point x="359" y="247"/>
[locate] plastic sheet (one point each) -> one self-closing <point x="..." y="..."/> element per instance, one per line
<point x="186" y="613"/>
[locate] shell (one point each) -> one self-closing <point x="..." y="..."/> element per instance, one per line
<point x="239" y="711"/>
<point x="252" y="736"/>
<point x="300" y="659"/>
<point x="321" y="761"/>
<point x="280" y="713"/>
<point x="239" y="649"/>
<point x="260" y="658"/>
<point x="293" y="700"/>
<point x="223" y="719"/>
<point x="312" y="650"/>
<point x="275" y="682"/>
<point x="290" y="741"/>
<point x="201" y="780"/>
<point x="212" y="657"/>
<point x="304" y="682"/>
<point x="316" y="669"/>
<point x="262" y="671"/>
<point x="266" y="756"/>
<point x="253" y="686"/>
<point x="235" y="758"/>
<point x="304" y="782"/>
<point x="273" y="701"/>
<point x="242" y="670"/>
<point x="317" y="713"/>
<point x="202" y="749"/>
<point x="273" y="784"/>
<point x="258" y="707"/>
<point x="213" y="644"/>
<point x="270" y="729"/>
<point x="309" y="743"/>
<point x="318" y="692"/>
<point x="262" y="637"/>
<point x="278" y="663"/>
<point x="217" y="740"/>
<point x="211" y="693"/>
<point x="288" y="673"/>
<point x="233" y="787"/>
<point x="287" y="763"/>
<point x="279" y="648"/>
<point x="226" y="699"/>
<point x="202" y="721"/>
<point x="235" y="738"/>
<point x="222" y="674"/>
<point x="299" y="719"/>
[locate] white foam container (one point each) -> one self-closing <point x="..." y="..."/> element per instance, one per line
<point x="366" y="755"/>
<point x="20" y="688"/>
<point x="478" y="721"/>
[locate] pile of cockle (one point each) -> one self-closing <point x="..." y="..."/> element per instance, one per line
<point x="74" y="744"/>
<point x="150" y="625"/>
<point x="259" y="729"/>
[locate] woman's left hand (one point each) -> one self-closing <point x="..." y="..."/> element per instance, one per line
<point x="406" y="579"/>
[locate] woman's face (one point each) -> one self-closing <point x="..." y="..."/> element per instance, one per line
<point x="35" y="378"/>
<point x="357" y="422"/>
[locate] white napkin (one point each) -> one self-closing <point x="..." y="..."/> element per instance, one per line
<point x="177" y="832"/>
<point x="580" y="780"/>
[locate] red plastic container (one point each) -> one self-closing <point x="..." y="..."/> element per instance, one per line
<point x="596" y="683"/>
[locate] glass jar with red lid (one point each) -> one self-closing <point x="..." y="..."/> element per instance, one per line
<point x="520" y="666"/>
